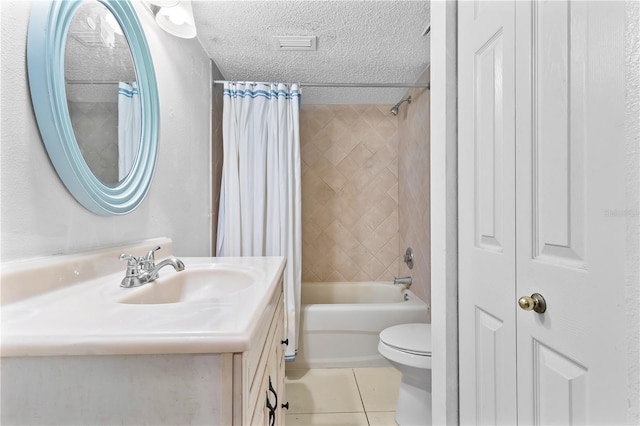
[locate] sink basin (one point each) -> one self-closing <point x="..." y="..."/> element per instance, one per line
<point x="195" y="283"/>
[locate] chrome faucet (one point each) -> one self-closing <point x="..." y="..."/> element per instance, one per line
<point x="143" y="270"/>
<point x="404" y="281"/>
<point x="148" y="262"/>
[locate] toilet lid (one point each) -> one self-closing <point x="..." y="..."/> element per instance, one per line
<point x="412" y="338"/>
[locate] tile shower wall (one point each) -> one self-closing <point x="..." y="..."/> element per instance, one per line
<point x="95" y="125"/>
<point x="216" y="155"/>
<point x="349" y="193"/>
<point x="414" y="187"/>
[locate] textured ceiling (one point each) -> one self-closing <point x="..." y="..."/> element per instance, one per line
<point x="358" y="42"/>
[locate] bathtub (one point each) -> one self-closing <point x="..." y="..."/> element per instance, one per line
<point x="340" y="322"/>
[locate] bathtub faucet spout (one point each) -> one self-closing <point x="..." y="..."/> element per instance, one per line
<point x="404" y="281"/>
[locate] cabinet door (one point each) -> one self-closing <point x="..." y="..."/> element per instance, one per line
<point x="279" y="375"/>
<point x="273" y="412"/>
<point x="268" y="396"/>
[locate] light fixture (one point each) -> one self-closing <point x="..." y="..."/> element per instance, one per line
<point x="107" y="34"/>
<point x="164" y="3"/>
<point x="111" y="21"/>
<point x="176" y="17"/>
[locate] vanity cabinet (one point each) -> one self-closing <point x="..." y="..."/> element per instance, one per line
<point x="88" y="358"/>
<point x="259" y="372"/>
<point x="262" y="375"/>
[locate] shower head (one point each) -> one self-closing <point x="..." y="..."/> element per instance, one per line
<point x="394" y="109"/>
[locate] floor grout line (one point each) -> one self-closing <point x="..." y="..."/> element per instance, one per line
<point x="364" y="409"/>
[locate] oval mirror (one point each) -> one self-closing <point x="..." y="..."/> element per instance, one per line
<point x="102" y="92"/>
<point x="94" y="93"/>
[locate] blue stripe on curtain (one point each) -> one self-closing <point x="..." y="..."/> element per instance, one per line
<point x="128" y="93"/>
<point x="263" y="93"/>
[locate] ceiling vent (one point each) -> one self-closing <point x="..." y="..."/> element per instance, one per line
<point x="295" y="42"/>
<point x="94" y="39"/>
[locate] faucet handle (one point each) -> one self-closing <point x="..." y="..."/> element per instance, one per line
<point x="148" y="262"/>
<point x="131" y="260"/>
<point x="132" y="276"/>
<point x="151" y="254"/>
<point x="132" y="265"/>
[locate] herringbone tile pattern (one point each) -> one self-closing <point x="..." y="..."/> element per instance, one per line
<point x="95" y="125"/>
<point x="349" y="193"/>
<point x="414" y="188"/>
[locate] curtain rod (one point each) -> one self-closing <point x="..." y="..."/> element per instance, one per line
<point x="371" y="85"/>
<point x="92" y="82"/>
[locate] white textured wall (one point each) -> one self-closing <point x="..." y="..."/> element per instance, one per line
<point x="38" y="215"/>
<point x="632" y="133"/>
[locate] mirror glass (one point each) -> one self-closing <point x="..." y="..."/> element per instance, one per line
<point x="95" y="96"/>
<point x="102" y="92"/>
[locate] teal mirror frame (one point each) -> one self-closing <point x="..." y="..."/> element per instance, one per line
<point x="48" y="27"/>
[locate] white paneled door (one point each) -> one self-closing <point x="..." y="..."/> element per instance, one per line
<point x="541" y="176"/>
<point x="486" y="190"/>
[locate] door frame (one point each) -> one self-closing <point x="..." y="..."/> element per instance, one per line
<point x="444" y="220"/>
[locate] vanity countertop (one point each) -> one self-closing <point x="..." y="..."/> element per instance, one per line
<point x="87" y="318"/>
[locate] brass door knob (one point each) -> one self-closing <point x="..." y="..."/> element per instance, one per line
<point x="535" y="303"/>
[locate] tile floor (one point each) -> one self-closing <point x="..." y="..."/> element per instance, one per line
<point x="342" y="396"/>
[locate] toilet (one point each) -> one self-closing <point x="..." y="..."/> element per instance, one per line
<point x="408" y="348"/>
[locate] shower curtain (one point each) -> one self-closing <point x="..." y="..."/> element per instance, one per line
<point x="128" y="127"/>
<point x="260" y="195"/>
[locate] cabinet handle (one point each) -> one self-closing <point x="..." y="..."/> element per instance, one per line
<point x="285" y="406"/>
<point x="272" y="411"/>
<point x="285" y="342"/>
<point x="269" y="406"/>
<point x="272" y="390"/>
